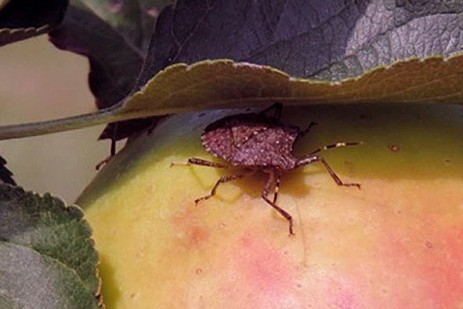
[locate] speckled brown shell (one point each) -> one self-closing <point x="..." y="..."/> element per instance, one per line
<point x="252" y="140"/>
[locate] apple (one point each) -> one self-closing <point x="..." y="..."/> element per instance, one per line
<point x="395" y="243"/>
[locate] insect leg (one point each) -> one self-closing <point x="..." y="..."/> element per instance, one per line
<point x="114" y="139"/>
<point x="221" y="180"/>
<point x="336" y="145"/>
<point x="112" y="151"/>
<point x="277" y="187"/>
<point x="278" y="107"/>
<point x="265" y="192"/>
<point x="317" y="158"/>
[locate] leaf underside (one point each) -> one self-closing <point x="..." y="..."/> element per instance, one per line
<point x="47" y="258"/>
<point x="225" y="84"/>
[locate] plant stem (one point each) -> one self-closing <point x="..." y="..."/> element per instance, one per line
<point x="58" y="125"/>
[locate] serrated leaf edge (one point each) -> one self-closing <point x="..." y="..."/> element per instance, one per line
<point x="81" y="220"/>
<point x="123" y="111"/>
<point x="43" y="28"/>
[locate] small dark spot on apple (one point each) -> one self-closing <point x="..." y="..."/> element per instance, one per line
<point x="447" y="161"/>
<point x="222" y="225"/>
<point x="394" y="147"/>
<point x="429" y="244"/>
<point x="198" y="271"/>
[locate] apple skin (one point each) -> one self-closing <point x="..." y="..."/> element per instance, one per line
<point x="396" y="243"/>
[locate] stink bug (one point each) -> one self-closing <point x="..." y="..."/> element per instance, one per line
<point x="259" y="142"/>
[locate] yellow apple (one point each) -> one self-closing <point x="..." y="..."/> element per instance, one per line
<point x="396" y="243"/>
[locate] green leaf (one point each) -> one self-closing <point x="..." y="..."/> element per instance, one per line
<point x="222" y="84"/>
<point x="114" y="63"/>
<point x="133" y="20"/>
<point x="326" y="40"/>
<point x="47" y="258"/>
<point x="22" y="19"/>
<point x="225" y="84"/>
<point x="114" y="35"/>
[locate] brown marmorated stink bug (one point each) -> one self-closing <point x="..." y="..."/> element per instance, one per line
<point x="257" y="142"/>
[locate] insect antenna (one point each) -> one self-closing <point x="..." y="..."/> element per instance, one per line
<point x="335" y="145"/>
<point x="198" y="161"/>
